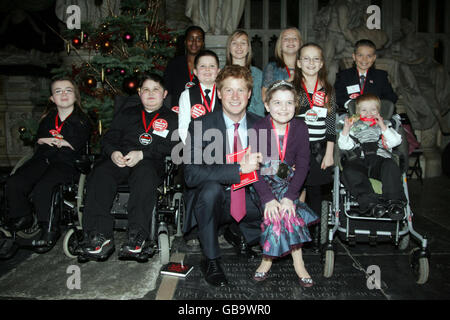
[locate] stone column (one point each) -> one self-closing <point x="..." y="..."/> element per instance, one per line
<point x="218" y="44"/>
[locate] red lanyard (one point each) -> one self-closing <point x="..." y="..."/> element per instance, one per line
<point x="58" y="128"/>
<point x="145" y="123"/>
<point x="371" y="120"/>
<point x="311" y="102"/>
<point x="281" y="154"/>
<point x="289" y="72"/>
<point x="209" y="107"/>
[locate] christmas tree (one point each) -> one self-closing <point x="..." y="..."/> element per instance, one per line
<point x="125" y="47"/>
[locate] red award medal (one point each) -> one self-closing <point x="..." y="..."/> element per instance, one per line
<point x="198" y="110"/>
<point x="176" y="109"/>
<point x="283" y="167"/>
<point x="205" y="103"/>
<point x="56" y="133"/>
<point x="160" y="125"/>
<point x="191" y="83"/>
<point x="146" y="138"/>
<point x="319" y="98"/>
<point x="354" y="95"/>
<point x="312" y="115"/>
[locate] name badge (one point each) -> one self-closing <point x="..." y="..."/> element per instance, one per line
<point x="353" y="89"/>
<point x="162" y="134"/>
<point x="321" y="112"/>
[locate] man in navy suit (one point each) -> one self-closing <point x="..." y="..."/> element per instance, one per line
<point x="210" y="200"/>
<point x="363" y="77"/>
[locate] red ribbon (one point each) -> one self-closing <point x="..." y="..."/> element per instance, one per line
<point x="205" y="103"/>
<point x="58" y="128"/>
<point x="145" y="123"/>
<point x="282" y="154"/>
<point x="371" y="120"/>
<point x="311" y="102"/>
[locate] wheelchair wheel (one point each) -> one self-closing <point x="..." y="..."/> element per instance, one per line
<point x="71" y="241"/>
<point x="404" y="242"/>
<point x="420" y="266"/>
<point x="329" y="264"/>
<point x="324" y="222"/>
<point x="164" y="249"/>
<point x="30" y="232"/>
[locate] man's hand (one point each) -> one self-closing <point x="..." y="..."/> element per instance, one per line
<point x="250" y="162"/>
<point x="118" y="159"/>
<point x="133" y="158"/>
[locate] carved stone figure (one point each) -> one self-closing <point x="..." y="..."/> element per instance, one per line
<point x="423" y="82"/>
<point x="339" y="25"/>
<point x="216" y="17"/>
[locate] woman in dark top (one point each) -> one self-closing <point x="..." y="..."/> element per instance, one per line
<point x="179" y="74"/>
<point x="62" y="136"/>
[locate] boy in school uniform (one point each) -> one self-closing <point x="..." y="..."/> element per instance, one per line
<point x="200" y="99"/>
<point x="363" y="77"/>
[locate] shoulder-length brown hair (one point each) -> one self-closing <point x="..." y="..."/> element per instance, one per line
<point x="234" y="35"/>
<point x="323" y="75"/>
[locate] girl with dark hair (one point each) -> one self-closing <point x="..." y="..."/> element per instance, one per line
<point x="62" y="136"/>
<point x="318" y="109"/>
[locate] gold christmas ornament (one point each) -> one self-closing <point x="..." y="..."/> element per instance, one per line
<point x="68" y="47"/>
<point x="103" y="75"/>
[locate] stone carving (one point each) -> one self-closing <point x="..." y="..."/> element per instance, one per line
<point x="217" y="17"/>
<point x="338" y="26"/>
<point x="423" y="83"/>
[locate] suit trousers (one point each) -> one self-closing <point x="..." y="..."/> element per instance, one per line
<point x="357" y="173"/>
<point x="143" y="181"/>
<point x="212" y="209"/>
<point x="37" y="177"/>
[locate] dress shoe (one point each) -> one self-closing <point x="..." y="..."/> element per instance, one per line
<point x="306" y="282"/>
<point x="378" y="210"/>
<point x="213" y="272"/>
<point x="21" y="223"/>
<point x="260" y="276"/>
<point x="241" y="247"/>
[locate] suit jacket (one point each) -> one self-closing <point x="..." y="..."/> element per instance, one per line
<point x="377" y="83"/>
<point x="197" y="174"/>
<point x="297" y="153"/>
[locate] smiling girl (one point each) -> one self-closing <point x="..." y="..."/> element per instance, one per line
<point x="285" y="166"/>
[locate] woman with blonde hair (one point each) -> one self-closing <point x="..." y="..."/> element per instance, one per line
<point x="283" y="68"/>
<point x="239" y="52"/>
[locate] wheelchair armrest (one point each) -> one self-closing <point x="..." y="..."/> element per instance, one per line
<point x="83" y="164"/>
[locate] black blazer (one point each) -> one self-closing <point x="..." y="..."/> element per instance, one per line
<point x="197" y="174"/>
<point x="377" y="83"/>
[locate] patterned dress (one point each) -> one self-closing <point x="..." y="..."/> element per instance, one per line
<point x="283" y="235"/>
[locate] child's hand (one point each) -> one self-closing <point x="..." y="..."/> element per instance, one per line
<point x="287" y="207"/>
<point x="118" y="159"/>
<point x="380" y="122"/>
<point x="348" y="122"/>
<point x="272" y="210"/>
<point x="133" y="158"/>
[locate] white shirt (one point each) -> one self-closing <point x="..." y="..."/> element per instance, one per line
<point x="184" y="115"/>
<point x="229" y="125"/>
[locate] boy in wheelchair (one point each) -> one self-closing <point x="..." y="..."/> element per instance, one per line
<point x="134" y="149"/>
<point x="368" y="141"/>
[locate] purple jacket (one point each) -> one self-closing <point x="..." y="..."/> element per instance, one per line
<point x="297" y="153"/>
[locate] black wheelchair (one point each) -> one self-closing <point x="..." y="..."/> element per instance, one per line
<point x="68" y="204"/>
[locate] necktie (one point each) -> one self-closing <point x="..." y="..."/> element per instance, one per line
<point x="237" y="200"/>
<point x="361" y="81"/>
<point x="208" y="99"/>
